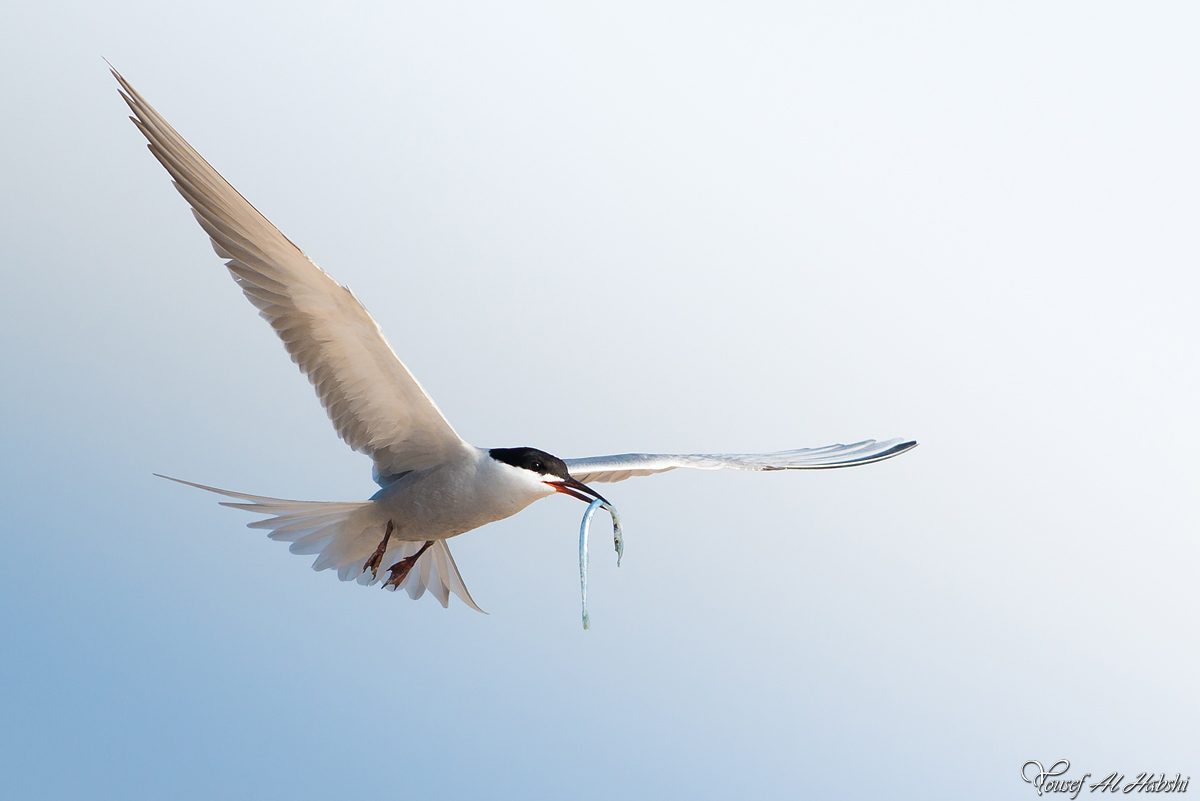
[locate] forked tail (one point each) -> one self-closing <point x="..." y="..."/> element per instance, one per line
<point x="344" y="535"/>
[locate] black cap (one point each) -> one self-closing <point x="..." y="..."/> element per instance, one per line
<point x="531" y="459"/>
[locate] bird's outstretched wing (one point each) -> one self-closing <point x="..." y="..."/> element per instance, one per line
<point x="375" y="404"/>
<point x="600" y="469"/>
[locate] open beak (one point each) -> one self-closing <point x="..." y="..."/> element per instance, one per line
<point x="576" y="489"/>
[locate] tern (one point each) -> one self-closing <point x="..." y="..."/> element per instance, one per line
<point x="433" y="484"/>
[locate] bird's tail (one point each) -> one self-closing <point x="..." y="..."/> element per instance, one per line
<point x="345" y="535"/>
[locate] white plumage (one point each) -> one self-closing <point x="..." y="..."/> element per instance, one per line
<point x="434" y="484"/>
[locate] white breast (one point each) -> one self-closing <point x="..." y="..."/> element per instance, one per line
<point x="457" y="496"/>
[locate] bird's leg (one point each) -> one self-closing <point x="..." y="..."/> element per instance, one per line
<point x="401" y="569"/>
<point x="372" y="564"/>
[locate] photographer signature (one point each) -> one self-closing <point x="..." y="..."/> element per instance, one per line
<point x="1047" y="780"/>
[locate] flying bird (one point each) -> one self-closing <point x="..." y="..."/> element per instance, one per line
<point x="433" y="484"/>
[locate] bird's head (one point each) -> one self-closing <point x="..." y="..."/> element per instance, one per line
<point x="550" y="470"/>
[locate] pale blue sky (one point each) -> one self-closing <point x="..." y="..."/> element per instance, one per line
<point x="767" y="226"/>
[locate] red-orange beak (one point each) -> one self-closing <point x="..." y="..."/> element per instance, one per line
<point x="576" y="489"/>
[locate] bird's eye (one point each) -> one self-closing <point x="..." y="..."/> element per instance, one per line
<point x="537" y="466"/>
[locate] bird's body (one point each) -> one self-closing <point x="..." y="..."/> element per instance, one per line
<point x="434" y="485"/>
<point x="468" y="490"/>
<point x="464" y="493"/>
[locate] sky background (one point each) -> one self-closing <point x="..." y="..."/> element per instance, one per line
<point x="598" y="228"/>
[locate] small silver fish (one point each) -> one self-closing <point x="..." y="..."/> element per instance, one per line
<point x="618" y="544"/>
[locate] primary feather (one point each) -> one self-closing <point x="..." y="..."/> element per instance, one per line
<point x="599" y="469"/>
<point x="375" y="403"/>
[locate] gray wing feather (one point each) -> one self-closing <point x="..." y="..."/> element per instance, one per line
<point x="375" y="404"/>
<point x="601" y="469"/>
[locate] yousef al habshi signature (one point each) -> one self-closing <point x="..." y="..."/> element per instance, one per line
<point x="1047" y="780"/>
